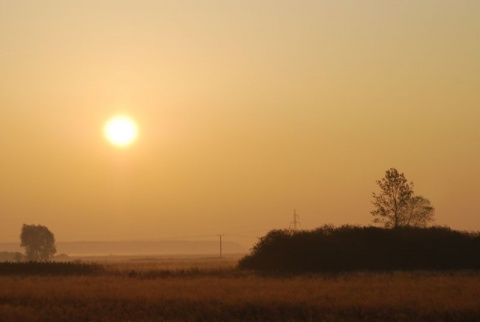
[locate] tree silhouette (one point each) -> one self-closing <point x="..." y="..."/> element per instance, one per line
<point x="420" y="212"/>
<point x="397" y="206"/>
<point x="39" y="243"/>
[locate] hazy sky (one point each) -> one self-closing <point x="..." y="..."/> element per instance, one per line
<point x="246" y="110"/>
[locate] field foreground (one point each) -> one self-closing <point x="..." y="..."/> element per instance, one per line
<point x="136" y="291"/>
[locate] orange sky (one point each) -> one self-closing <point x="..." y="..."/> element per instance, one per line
<point x="246" y="110"/>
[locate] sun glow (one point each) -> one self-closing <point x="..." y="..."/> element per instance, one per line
<point x="121" y="130"/>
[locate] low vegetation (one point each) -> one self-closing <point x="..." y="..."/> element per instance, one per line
<point x="50" y="268"/>
<point x="11" y="257"/>
<point x="216" y="291"/>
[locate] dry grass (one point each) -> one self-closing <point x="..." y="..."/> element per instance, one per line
<point x="119" y="296"/>
<point x="144" y="265"/>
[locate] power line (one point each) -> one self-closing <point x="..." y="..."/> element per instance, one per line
<point x="221" y="255"/>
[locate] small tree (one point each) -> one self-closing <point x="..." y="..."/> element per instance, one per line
<point x="39" y="243"/>
<point x="397" y="206"/>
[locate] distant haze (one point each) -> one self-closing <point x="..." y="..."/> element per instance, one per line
<point x="166" y="247"/>
<point x="246" y="110"/>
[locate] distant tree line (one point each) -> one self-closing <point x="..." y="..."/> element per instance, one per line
<point x="11" y="257"/>
<point x="50" y="268"/>
<point x="347" y="248"/>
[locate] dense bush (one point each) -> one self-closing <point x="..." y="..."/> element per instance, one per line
<point x="349" y="248"/>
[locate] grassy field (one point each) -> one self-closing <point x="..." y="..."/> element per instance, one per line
<point x="206" y="289"/>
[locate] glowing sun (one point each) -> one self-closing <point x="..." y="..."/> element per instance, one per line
<point x="121" y="130"/>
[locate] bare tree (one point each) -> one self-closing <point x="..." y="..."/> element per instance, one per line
<point x="397" y="206"/>
<point x="39" y="243"/>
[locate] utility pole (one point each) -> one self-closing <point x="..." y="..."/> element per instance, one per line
<point x="221" y="255"/>
<point x="295" y="221"/>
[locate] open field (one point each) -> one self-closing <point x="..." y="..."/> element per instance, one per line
<point x="213" y="290"/>
<point x="151" y="263"/>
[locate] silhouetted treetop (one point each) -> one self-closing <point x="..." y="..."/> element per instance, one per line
<point x="39" y="243"/>
<point x="397" y="206"/>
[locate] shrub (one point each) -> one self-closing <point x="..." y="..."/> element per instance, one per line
<point x="49" y="268"/>
<point x="347" y="248"/>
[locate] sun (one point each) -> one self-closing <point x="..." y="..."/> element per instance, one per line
<point x="121" y="130"/>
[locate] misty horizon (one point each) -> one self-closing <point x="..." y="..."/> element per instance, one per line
<point x="147" y="248"/>
<point x="160" y="119"/>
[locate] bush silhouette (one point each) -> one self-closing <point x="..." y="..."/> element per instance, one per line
<point x="50" y="268"/>
<point x="347" y="248"/>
